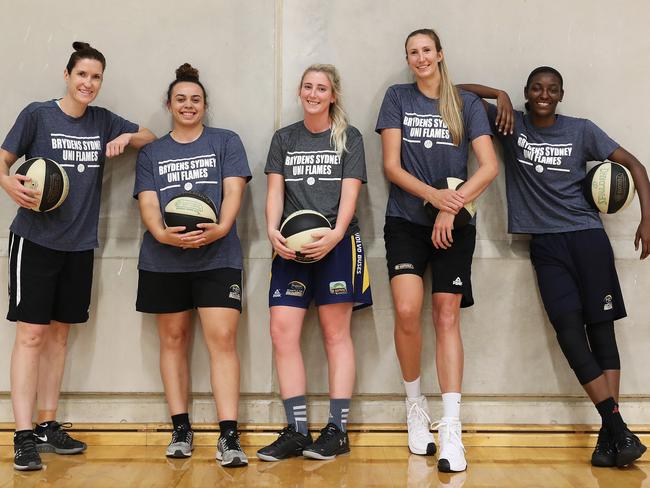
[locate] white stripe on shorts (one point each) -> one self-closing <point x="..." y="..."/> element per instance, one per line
<point x="18" y="259"/>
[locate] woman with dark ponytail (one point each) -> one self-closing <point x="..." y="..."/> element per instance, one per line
<point x="546" y="156"/>
<point x="180" y="271"/>
<point x="51" y="254"/>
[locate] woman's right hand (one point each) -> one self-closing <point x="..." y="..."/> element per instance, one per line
<point x="173" y="236"/>
<point x="279" y="244"/>
<point x="13" y="186"/>
<point x="446" y="200"/>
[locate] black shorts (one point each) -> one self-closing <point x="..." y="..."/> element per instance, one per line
<point x="46" y="285"/>
<point x="409" y="250"/>
<point x="177" y="292"/>
<point x="576" y="271"/>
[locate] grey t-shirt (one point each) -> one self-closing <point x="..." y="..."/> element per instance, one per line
<point x="313" y="172"/>
<point x="427" y="151"/>
<point x="79" y="145"/>
<point x="169" y="168"/>
<point x="545" y="169"/>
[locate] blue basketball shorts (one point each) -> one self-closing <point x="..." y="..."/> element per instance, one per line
<point x="576" y="272"/>
<point x="340" y="277"/>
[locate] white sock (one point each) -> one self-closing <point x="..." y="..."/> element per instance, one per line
<point x="451" y="405"/>
<point x="413" y="389"/>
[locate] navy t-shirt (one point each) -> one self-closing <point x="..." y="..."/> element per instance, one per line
<point x="79" y="145"/>
<point x="169" y="168"/>
<point x="313" y="171"/>
<point x="545" y="170"/>
<point x="427" y="150"/>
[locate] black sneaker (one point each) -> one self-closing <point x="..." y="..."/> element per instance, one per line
<point x="289" y="444"/>
<point x="628" y="448"/>
<point x="331" y="442"/>
<point x="604" y="455"/>
<point x="52" y="437"/>
<point x="229" y="450"/>
<point x="26" y="456"/>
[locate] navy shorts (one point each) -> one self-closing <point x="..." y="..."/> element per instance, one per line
<point x="340" y="277"/>
<point x="409" y="250"/>
<point x="177" y="292"/>
<point x="575" y="271"/>
<point x="46" y="284"/>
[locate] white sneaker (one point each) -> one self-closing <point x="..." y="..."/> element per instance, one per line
<point x="452" y="451"/>
<point x="421" y="440"/>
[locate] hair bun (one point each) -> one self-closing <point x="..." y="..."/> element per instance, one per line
<point x="185" y="71"/>
<point x="80" y="46"/>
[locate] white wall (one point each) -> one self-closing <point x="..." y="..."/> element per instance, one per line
<point x="251" y="55"/>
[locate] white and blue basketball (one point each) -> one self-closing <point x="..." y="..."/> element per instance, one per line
<point x="189" y="209"/>
<point x="609" y="187"/>
<point x="47" y="177"/>
<point x="298" y="228"/>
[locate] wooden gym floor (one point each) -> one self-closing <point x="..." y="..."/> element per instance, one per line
<point x="499" y="456"/>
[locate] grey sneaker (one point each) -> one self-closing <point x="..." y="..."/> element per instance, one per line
<point x="229" y="451"/>
<point x="182" y="444"/>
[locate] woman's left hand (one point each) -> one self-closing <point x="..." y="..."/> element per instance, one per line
<point x="212" y="232"/>
<point x="643" y="237"/>
<point x="327" y="240"/>
<point x="441" y="236"/>
<point x="117" y="145"/>
<point x="505" y="120"/>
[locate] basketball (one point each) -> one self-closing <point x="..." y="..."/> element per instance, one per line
<point x="609" y="187"/>
<point x="298" y="228"/>
<point x="189" y="209"/>
<point x="465" y="214"/>
<point x="48" y="178"/>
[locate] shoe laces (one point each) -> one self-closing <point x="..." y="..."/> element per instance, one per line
<point x="419" y="416"/>
<point x="58" y="431"/>
<point x="230" y="441"/>
<point x="327" y="433"/>
<point x="285" y="435"/>
<point x="181" y="434"/>
<point x="26" y="447"/>
<point x="449" y="431"/>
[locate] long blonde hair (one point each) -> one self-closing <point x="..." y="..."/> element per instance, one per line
<point x="451" y="105"/>
<point x="339" y="118"/>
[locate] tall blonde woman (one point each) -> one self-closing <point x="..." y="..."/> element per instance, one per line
<point x="427" y="128"/>
<point x="318" y="164"/>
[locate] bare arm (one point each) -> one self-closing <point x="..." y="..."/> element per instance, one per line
<point x="505" y="120"/>
<point x="13" y="184"/>
<point x="153" y="221"/>
<point x="328" y="239"/>
<point x="135" y="139"/>
<point x="640" y="177"/>
<point x="274" y="207"/>
<point x="446" y="200"/>
<point x="233" y="191"/>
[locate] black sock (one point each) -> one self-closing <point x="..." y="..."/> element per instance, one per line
<point x="181" y="420"/>
<point x="612" y="420"/>
<point x="226" y="426"/>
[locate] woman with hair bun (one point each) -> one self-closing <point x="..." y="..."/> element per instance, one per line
<point x="51" y="254"/>
<point x="180" y="271"/>
<point x="316" y="164"/>
<point x="427" y="128"/>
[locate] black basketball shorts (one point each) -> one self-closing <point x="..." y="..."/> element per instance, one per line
<point x="409" y="250"/>
<point x="177" y="292"/>
<point x="576" y="271"/>
<point x="46" y="285"/>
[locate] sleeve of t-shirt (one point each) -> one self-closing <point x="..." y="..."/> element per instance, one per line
<point x="144" y="180"/>
<point x="274" y="160"/>
<point x="118" y="126"/>
<point x="390" y="113"/>
<point x="235" y="162"/>
<point x="598" y="145"/>
<point x="354" y="160"/>
<point x="475" y="118"/>
<point x="22" y="134"/>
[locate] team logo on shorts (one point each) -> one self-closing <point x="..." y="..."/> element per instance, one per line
<point x="401" y="266"/>
<point x="277" y="294"/>
<point x="457" y="281"/>
<point x="338" y="288"/>
<point x="607" y="302"/>
<point x="295" y="289"/>
<point x="235" y="292"/>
